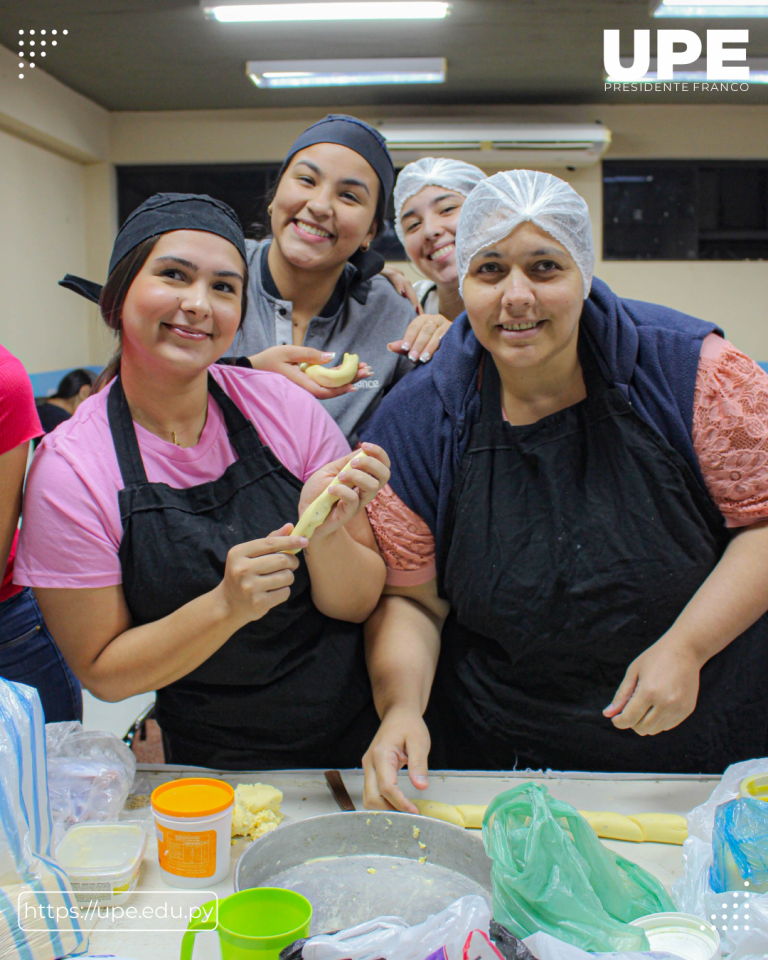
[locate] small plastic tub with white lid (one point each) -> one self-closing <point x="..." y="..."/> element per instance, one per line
<point x="102" y="860"/>
<point x="681" y="934"/>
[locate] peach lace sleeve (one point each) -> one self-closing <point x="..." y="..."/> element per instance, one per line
<point x="405" y="541"/>
<point x="730" y="431"/>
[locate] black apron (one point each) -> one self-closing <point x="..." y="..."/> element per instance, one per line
<point x="288" y="690"/>
<point x="570" y="546"/>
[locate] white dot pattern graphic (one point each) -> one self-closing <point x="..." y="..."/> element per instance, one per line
<point x="31" y="43"/>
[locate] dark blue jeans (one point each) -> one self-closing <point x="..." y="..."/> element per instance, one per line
<point x="28" y="654"/>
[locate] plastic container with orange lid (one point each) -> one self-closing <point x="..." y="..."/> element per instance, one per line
<point x="193" y="817"/>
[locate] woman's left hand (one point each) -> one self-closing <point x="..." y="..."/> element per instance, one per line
<point x="355" y="490"/>
<point x="422" y="337"/>
<point x="659" y="690"/>
<point x="403" y="285"/>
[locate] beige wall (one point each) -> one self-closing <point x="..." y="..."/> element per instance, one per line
<point x="58" y="153"/>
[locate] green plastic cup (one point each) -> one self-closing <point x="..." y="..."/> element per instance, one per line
<point x="252" y="924"/>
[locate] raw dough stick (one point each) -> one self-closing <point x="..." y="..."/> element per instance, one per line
<point x="333" y="376"/>
<point x="320" y="507"/>
<point x="440" y="811"/>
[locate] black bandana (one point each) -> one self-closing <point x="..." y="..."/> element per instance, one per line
<point x="164" y="213"/>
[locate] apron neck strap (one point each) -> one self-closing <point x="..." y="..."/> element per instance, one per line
<point x="240" y="431"/>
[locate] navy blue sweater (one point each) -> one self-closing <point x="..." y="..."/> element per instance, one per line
<point x="651" y="353"/>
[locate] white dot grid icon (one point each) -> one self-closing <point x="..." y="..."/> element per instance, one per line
<point x="738" y="911"/>
<point x="31" y="43"/>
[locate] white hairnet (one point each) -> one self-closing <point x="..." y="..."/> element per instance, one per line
<point x="502" y="202"/>
<point x="454" y="175"/>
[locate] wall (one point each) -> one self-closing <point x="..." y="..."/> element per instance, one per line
<point x="53" y="144"/>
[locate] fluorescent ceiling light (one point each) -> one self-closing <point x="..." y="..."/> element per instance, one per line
<point x="288" y="74"/>
<point x="710" y="8"/>
<point x="345" y="10"/>
<point x="696" y="72"/>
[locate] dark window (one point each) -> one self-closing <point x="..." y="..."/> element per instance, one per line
<point x="246" y="187"/>
<point x="685" y="210"/>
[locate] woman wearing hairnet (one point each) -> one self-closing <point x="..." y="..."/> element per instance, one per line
<point x="578" y="504"/>
<point x="429" y="195"/>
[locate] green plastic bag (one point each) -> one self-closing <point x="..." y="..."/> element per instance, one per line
<point x="550" y="872"/>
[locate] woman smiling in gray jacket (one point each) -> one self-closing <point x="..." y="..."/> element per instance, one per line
<point x="315" y="291"/>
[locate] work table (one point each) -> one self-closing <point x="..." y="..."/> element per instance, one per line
<point x="305" y="794"/>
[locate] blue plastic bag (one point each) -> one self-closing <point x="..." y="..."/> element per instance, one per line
<point x="740" y="846"/>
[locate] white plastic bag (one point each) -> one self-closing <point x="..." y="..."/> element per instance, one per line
<point x="392" y="937"/>
<point x="545" y="947"/>
<point x="741" y="918"/>
<point x="89" y="773"/>
<point x="39" y="918"/>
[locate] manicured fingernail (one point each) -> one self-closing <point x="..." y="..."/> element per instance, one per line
<point x="421" y="779"/>
<point x="405" y="346"/>
<point x="403" y="293"/>
<point x="328" y="356"/>
<point x="413" y="356"/>
<point x="424" y="357"/>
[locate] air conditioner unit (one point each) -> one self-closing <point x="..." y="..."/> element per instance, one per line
<point x="499" y="144"/>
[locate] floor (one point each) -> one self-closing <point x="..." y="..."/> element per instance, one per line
<point x="115" y="718"/>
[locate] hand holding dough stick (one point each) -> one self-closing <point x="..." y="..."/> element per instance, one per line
<point x="333" y="376"/>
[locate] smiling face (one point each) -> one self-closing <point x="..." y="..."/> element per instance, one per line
<point x="429" y="221"/>
<point x="183" y="308"/>
<point x="524" y="296"/>
<point x="325" y="205"/>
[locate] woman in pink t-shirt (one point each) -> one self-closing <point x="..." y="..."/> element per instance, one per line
<point x="158" y="518"/>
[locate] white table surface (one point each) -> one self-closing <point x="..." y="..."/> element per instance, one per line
<point x="305" y="794"/>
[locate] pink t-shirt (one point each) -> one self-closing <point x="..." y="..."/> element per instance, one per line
<point x="72" y="531"/>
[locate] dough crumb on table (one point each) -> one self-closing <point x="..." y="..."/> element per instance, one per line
<point x="257" y="810"/>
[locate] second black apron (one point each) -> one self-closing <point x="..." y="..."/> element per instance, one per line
<point x="571" y="546"/>
<point x="288" y="690"/>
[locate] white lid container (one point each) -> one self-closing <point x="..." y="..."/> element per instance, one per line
<point x="688" y="937"/>
<point x="102" y="860"/>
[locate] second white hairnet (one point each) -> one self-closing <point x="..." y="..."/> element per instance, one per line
<point x="433" y="172"/>
<point x="502" y="202"/>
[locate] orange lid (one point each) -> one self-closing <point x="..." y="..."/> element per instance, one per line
<point x="192" y="797"/>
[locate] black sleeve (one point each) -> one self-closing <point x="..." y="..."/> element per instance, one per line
<point x="235" y="362"/>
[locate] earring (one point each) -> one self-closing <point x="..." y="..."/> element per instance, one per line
<point x="269" y="209"/>
<point x="365" y="247"/>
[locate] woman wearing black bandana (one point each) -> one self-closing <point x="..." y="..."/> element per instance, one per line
<point x="314" y="293"/>
<point x="158" y="518"/>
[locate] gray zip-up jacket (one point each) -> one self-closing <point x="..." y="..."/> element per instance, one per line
<point x="369" y="316"/>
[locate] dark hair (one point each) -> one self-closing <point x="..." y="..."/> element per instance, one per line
<point x="113" y="295"/>
<point x="73" y="383"/>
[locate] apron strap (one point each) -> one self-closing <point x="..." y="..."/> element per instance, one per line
<point x="124" y="437"/>
<point x="241" y="432"/>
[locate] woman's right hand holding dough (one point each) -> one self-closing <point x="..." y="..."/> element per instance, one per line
<point x="286" y="359"/>
<point x="402" y="739"/>
<point x="258" y="576"/>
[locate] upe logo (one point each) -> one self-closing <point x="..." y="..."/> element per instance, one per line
<point x="676" y="48"/>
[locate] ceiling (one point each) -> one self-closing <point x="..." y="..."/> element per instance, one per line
<point x="165" y="55"/>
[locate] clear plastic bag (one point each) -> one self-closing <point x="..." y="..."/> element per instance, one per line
<point x="545" y="947"/>
<point x="551" y="873"/>
<point x="39" y="915"/>
<point x="89" y="773"/>
<point x="392" y="937"/>
<point x="692" y="892"/>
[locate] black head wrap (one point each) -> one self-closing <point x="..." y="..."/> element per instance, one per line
<point x="160" y="214"/>
<point x="369" y="143"/>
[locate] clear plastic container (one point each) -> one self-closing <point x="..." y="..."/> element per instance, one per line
<point x="102" y="860"/>
<point x="681" y="934"/>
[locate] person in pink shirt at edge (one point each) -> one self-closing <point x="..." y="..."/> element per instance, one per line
<point x="158" y="519"/>
<point x="575" y="527"/>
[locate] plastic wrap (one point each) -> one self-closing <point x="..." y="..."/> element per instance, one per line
<point x="89" y="773"/>
<point x="39" y="919"/>
<point x="551" y="873"/>
<point x="502" y="202"/>
<point x="741" y="918"/>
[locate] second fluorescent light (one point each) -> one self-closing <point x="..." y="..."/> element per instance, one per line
<point x="348" y="10"/>
<point x="292" y="74"/>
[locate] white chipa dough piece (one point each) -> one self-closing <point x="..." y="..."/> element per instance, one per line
<point x="257" y="810"/>
<point x="320" y="507"/>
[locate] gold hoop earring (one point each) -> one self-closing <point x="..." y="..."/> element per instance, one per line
<point x="269" y="210"/>
<point x="365" y="247"/>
